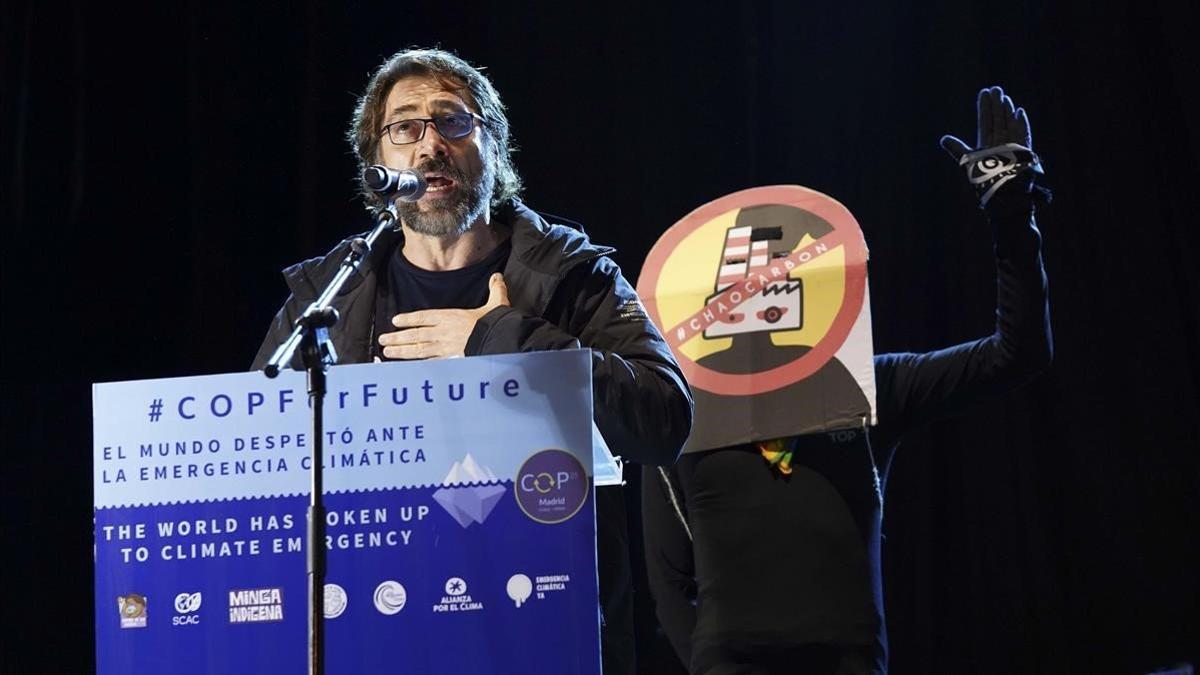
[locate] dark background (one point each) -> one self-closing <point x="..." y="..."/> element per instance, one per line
<point x="160" y="165"/>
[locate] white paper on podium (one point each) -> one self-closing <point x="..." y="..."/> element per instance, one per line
<point x="606" y="469"/>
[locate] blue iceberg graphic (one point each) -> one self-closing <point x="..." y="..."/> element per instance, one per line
<point x="467" y="503"/>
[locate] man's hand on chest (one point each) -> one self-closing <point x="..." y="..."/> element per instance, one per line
<point x="440" y="333"/>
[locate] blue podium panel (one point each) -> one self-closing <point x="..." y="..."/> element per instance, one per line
<point x="461" y="520"/>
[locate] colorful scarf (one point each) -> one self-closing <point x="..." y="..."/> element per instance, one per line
<point x="778" y="452"/>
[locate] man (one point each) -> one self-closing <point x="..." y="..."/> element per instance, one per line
<point x="474" y="271"/>
<point x="762" y="566"/>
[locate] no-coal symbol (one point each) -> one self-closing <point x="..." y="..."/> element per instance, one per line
<point x="762" y="298"/>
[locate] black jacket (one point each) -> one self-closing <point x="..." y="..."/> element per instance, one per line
<point x="565" y="292"/>
<point x="781" y="564"/>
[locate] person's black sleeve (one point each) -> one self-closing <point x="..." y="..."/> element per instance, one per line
<point x="916" y="388"/>
<point x="280" y="330"/>
<point x="669" y="563"/>
<point x="641" y="403"/>
<point x="306" y="280"/>
<point x="285" y="320"/>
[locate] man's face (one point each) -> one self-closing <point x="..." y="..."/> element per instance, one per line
<point x="460" y="172"/>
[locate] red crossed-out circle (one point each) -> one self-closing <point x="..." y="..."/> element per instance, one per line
<point x="846" y="231"/>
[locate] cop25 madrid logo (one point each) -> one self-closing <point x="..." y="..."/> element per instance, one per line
<point x="552" y="486"/>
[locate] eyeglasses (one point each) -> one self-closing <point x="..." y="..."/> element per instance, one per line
<point x="449" y="125"/>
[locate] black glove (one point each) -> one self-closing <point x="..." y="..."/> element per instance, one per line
<point x="1003" y="161"/>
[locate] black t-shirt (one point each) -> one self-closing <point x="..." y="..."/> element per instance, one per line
<point x="802" y="546"/>
<point x="404" y="287"/>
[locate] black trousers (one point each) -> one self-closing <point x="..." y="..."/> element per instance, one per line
<point x="616" y="583"/>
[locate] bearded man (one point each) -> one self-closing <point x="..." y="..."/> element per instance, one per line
<point x="474" y="271"/>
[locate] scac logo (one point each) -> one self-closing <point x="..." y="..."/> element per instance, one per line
<point x="543" y="481"/>
<point x="186" y="605"/>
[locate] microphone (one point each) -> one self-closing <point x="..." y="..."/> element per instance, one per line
<point x="406" y="185"/>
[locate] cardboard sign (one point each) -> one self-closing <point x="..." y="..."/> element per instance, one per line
<point x="762" y="296"/>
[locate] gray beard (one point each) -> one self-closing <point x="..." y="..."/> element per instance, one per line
<point x="456" y="214"/>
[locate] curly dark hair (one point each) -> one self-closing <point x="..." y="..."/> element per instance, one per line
<point x="456" y="75"/>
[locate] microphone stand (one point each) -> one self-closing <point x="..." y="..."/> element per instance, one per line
<point x="311" y="338"/>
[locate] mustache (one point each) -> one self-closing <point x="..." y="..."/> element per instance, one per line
<point x="444" y="167"/>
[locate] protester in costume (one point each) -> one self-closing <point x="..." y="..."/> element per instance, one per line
<point x="765" y="557"/>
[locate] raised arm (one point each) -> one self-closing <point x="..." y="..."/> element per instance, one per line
<point x="915" y="388"/>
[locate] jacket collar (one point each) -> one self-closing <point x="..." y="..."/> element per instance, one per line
<point x="542" y="253"/>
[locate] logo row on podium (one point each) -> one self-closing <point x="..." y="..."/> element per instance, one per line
<point x="258" y="605"/>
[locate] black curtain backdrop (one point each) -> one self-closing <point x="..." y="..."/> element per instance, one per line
<point x="160" y="165"/>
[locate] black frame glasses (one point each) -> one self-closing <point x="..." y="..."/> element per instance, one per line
<point x="447" y="125"/>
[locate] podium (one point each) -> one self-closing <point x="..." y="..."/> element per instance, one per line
<point x="461" y="520"/>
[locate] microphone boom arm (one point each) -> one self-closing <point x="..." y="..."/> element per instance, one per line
<point x="320" y="315"/>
